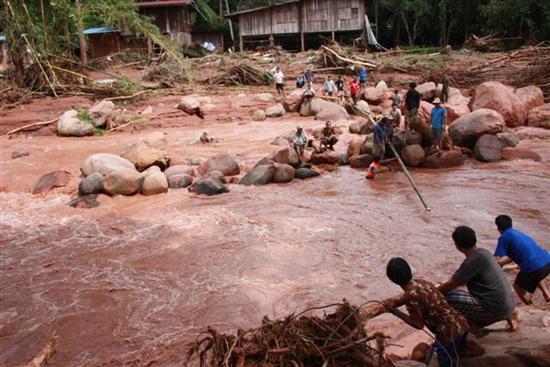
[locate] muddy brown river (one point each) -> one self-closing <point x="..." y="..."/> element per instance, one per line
<point x="133" y="281"/>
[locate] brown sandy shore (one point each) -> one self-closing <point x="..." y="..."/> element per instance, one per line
<point x="134" y="280"/>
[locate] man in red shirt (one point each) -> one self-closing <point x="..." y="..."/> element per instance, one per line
<point x="354" y="89"/>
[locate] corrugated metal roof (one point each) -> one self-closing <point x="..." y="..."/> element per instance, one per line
<point x="150" y="4"/>
<point x="100" y="30"/>
<point x="261" y="8"/>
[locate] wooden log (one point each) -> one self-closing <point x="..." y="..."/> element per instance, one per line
<point x="377" y="309"/>
<point x="34" y="124"/>
<point x="345" y="59"/>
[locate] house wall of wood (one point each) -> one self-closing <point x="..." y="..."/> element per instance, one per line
<point x="318" y="16"/>
<point x="174" y="21"/>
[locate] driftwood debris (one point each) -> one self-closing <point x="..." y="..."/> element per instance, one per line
<point x="41" y="358"/>
<point x="339" y="338"/>
<point x="328" y="57"/>
<point x="32" y="126"/>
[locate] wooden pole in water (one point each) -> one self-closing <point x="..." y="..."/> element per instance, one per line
<point x="409" y="177"/>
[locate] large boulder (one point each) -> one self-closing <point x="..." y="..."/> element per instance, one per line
<point x="520" y="153"/>
<point x="540" y="116"/>
<point x="293" y="101"/>
<point x="179" y="181"/>
<point x="360" y="161"/>
<point x="425" y="111"/>
<point x="427" y="90"/>
<point x="407" y="137"/>
<point x="413" y="155"/>
<point x="259" y="175"/>
<point x="105" y="163"/>
<point x="92" y="184"/>
<point x="375" y="96"/>
<point x="222" y="162"/>
<point x="70" y="124"/>
<point x="531" y="96"/>
<point x="331" y="111"/>
<point x="509" y="140"/>
<point x="457" y="106"/>
<point x="305" y="173"/>
<point x="311" y="106"/>
<point x="283" y="173"/>
<point x="363" y="107"/>
<point x="277" y="110"/>
<point x="354" y="147"/>
<point x="189" y="104"/>
<point x="209" y="187"/>
<point x="287" y="155"/>
<point x="179" y="169"/>
<point x="501" y="98"/>
<point x="143" y="155"/>
<point x="326" y="157"/>
<point x="215" y="175"/>
<point x="258" y="115"/>
<point x="465" y="131"/>
<point x="446" y="159"/>
<point x="123" y="182"/>
<point x="488" y="149"/>
<point x="50" y="180"/>
<point x="154" y="184"/>
<point x="103" y="113"/>
<point x="264" y="97"/>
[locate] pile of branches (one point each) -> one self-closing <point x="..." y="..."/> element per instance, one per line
<point x="11" y="97"/>
<point x="492" y="43"/>
<point x="337" y="339"/>
<point x="244" y="73"/>
<point x="168" y="73"/>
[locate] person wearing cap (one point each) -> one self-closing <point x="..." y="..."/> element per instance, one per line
<point x="437" y="124"/>
<point x="299" y="141"/>
<point x="428" y="307"/>
<point x="379" y="136"/>
<point x="328" y="137"/>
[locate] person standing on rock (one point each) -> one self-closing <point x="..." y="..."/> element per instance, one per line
<point x="445" y="89"/>
<point x="437" y="124"/>
<point x="396" y="114"/>
<point x="362" y="73"/>
<point x="309" y="75"/>
<point x="379" y="137"/>
<point x="412" y="104"/>
<point x="328" y="137"/>
<point x="428" y="307"/>
<point x="354" y="89"/>
<point x="340" y="88"/>
<point x="279" y="79"/>
<point x="329" y="86"/>
<point x="396" y="98"/>
<point x="299" y="142"/>
<point x="489" y="298"/>
<point x="533" y="260"/>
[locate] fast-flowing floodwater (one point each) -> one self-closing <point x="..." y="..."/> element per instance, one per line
<point x="134" y="280"/>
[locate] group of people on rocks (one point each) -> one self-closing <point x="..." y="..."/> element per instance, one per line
<point x="453" y="315"/>
<point x="328" y="139"/>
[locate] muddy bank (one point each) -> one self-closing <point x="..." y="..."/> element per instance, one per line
<point x="135" y="279"/>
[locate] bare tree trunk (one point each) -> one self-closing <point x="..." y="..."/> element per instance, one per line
<point x="81" y="38"/>
<point x="409" y="35"/>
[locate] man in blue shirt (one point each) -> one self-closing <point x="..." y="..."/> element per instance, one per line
<point x="362" y="73"/>
<point x="379" y="137"/>
<point x="437" y="122"/>
<point x="533" y="260"/>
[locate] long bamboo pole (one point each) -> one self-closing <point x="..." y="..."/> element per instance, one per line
<point x="409" y="177"/>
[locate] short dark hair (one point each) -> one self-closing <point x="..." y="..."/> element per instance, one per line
<point x="503" y="222"/>
<point x="464" y="237"/>
<point x="399" y="271"/>
<point x="412" y="85"/>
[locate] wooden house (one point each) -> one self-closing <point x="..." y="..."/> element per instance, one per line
<point x="301" y="22"/>
<point x="172" y="17"/>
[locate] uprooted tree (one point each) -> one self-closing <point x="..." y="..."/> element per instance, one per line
<point x="43" y="29"/>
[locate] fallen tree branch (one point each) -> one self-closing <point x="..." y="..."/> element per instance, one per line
<point x="34" y="124"/>
<point x="127" y="97"/>
<point x="42" y="357"/>
<point x="350" y="61"/>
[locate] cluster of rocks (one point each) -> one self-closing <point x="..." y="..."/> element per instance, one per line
<point x="282" y="166"/>
<point x="84" y="123"/>
<point x="145" y="167"/>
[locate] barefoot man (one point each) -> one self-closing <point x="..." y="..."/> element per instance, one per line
<point x="533" y="260"/>
<point x="489" y="298"/>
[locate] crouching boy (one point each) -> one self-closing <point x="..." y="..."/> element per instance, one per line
<point x="428" y="307"/>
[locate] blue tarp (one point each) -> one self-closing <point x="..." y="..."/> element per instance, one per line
<point x="2" y="37"/>
<point x="100" y="30"/>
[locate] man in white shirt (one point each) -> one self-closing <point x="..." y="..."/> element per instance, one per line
<point x="279" y="79"/>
